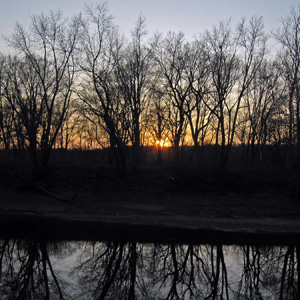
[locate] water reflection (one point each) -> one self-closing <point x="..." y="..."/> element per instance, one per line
<point x="33" y="269"/>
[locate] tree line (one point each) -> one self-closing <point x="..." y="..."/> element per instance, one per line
<point x="80" y="82"/>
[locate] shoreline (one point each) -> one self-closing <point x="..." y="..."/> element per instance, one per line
<point x="232" y="208"/>
<point x="263" y="231"/>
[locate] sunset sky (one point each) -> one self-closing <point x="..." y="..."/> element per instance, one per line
<point x="190" y="16"/>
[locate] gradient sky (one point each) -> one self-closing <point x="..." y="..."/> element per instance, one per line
<point x="189" y="16"/>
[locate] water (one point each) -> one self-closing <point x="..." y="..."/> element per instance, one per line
<point x="35" y="269"/>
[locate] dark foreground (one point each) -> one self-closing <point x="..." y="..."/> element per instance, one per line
<point x="155" y="206"/>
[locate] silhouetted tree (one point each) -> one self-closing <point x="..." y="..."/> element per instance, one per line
<point x="198" y="115"/>
<point x="265" y="100"/>
<point x="8" y="122"/>
<point x="68" y="128"/>
<point x="233" y="63"/>
<point x="288" y="37"/>
<point x="42" y="79"/>
<point x="156" y="122"/>
<point x="224" y="67"/>
<point x="134" y="74"/>
<point x="98" y="63"/>
<point x="22" y="91"/>
<point x="172" y="57"/>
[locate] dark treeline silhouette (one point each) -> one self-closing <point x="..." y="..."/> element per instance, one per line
<point x="80" y="83"/>
<point x="32" y="269"/>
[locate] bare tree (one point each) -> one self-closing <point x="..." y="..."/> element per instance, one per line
<point x="100" y="49"/>
<point x="172" y="57"/>
<point x="234" y="61"/>
<point x="264" y="100"/>
<point x="43" y="79"/>
<point x="67" y="131"/>
<point x="156" y="122"/>
<point x="134" y="71"/>
<point x="7" y="116"/>
<point x="197" y="113"/>
<point x="22" y="91"/>
<point x="223" y="64"/>
<point x="288" y="38"/>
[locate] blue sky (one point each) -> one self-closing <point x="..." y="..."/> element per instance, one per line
<point x="190" y="16"/>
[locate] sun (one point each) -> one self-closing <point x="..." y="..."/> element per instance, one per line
<point x="160" y="143"/>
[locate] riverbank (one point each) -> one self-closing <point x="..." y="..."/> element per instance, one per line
<point x="150" y="207"/>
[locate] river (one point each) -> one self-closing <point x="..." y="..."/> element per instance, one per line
<point x="39" y="269"/>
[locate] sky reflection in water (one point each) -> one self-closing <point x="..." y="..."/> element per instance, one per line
<point x="32" y="269"/>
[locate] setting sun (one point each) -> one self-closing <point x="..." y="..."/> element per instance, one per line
<point x="160" y="142"/>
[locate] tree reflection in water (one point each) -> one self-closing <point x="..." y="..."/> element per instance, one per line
<point x="27" y="272"/>
<point x="117" y="270"/>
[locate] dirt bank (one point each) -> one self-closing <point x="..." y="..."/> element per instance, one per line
<point x="74" y="204"/>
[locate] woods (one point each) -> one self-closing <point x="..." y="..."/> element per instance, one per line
<point x="82" y="84"/>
